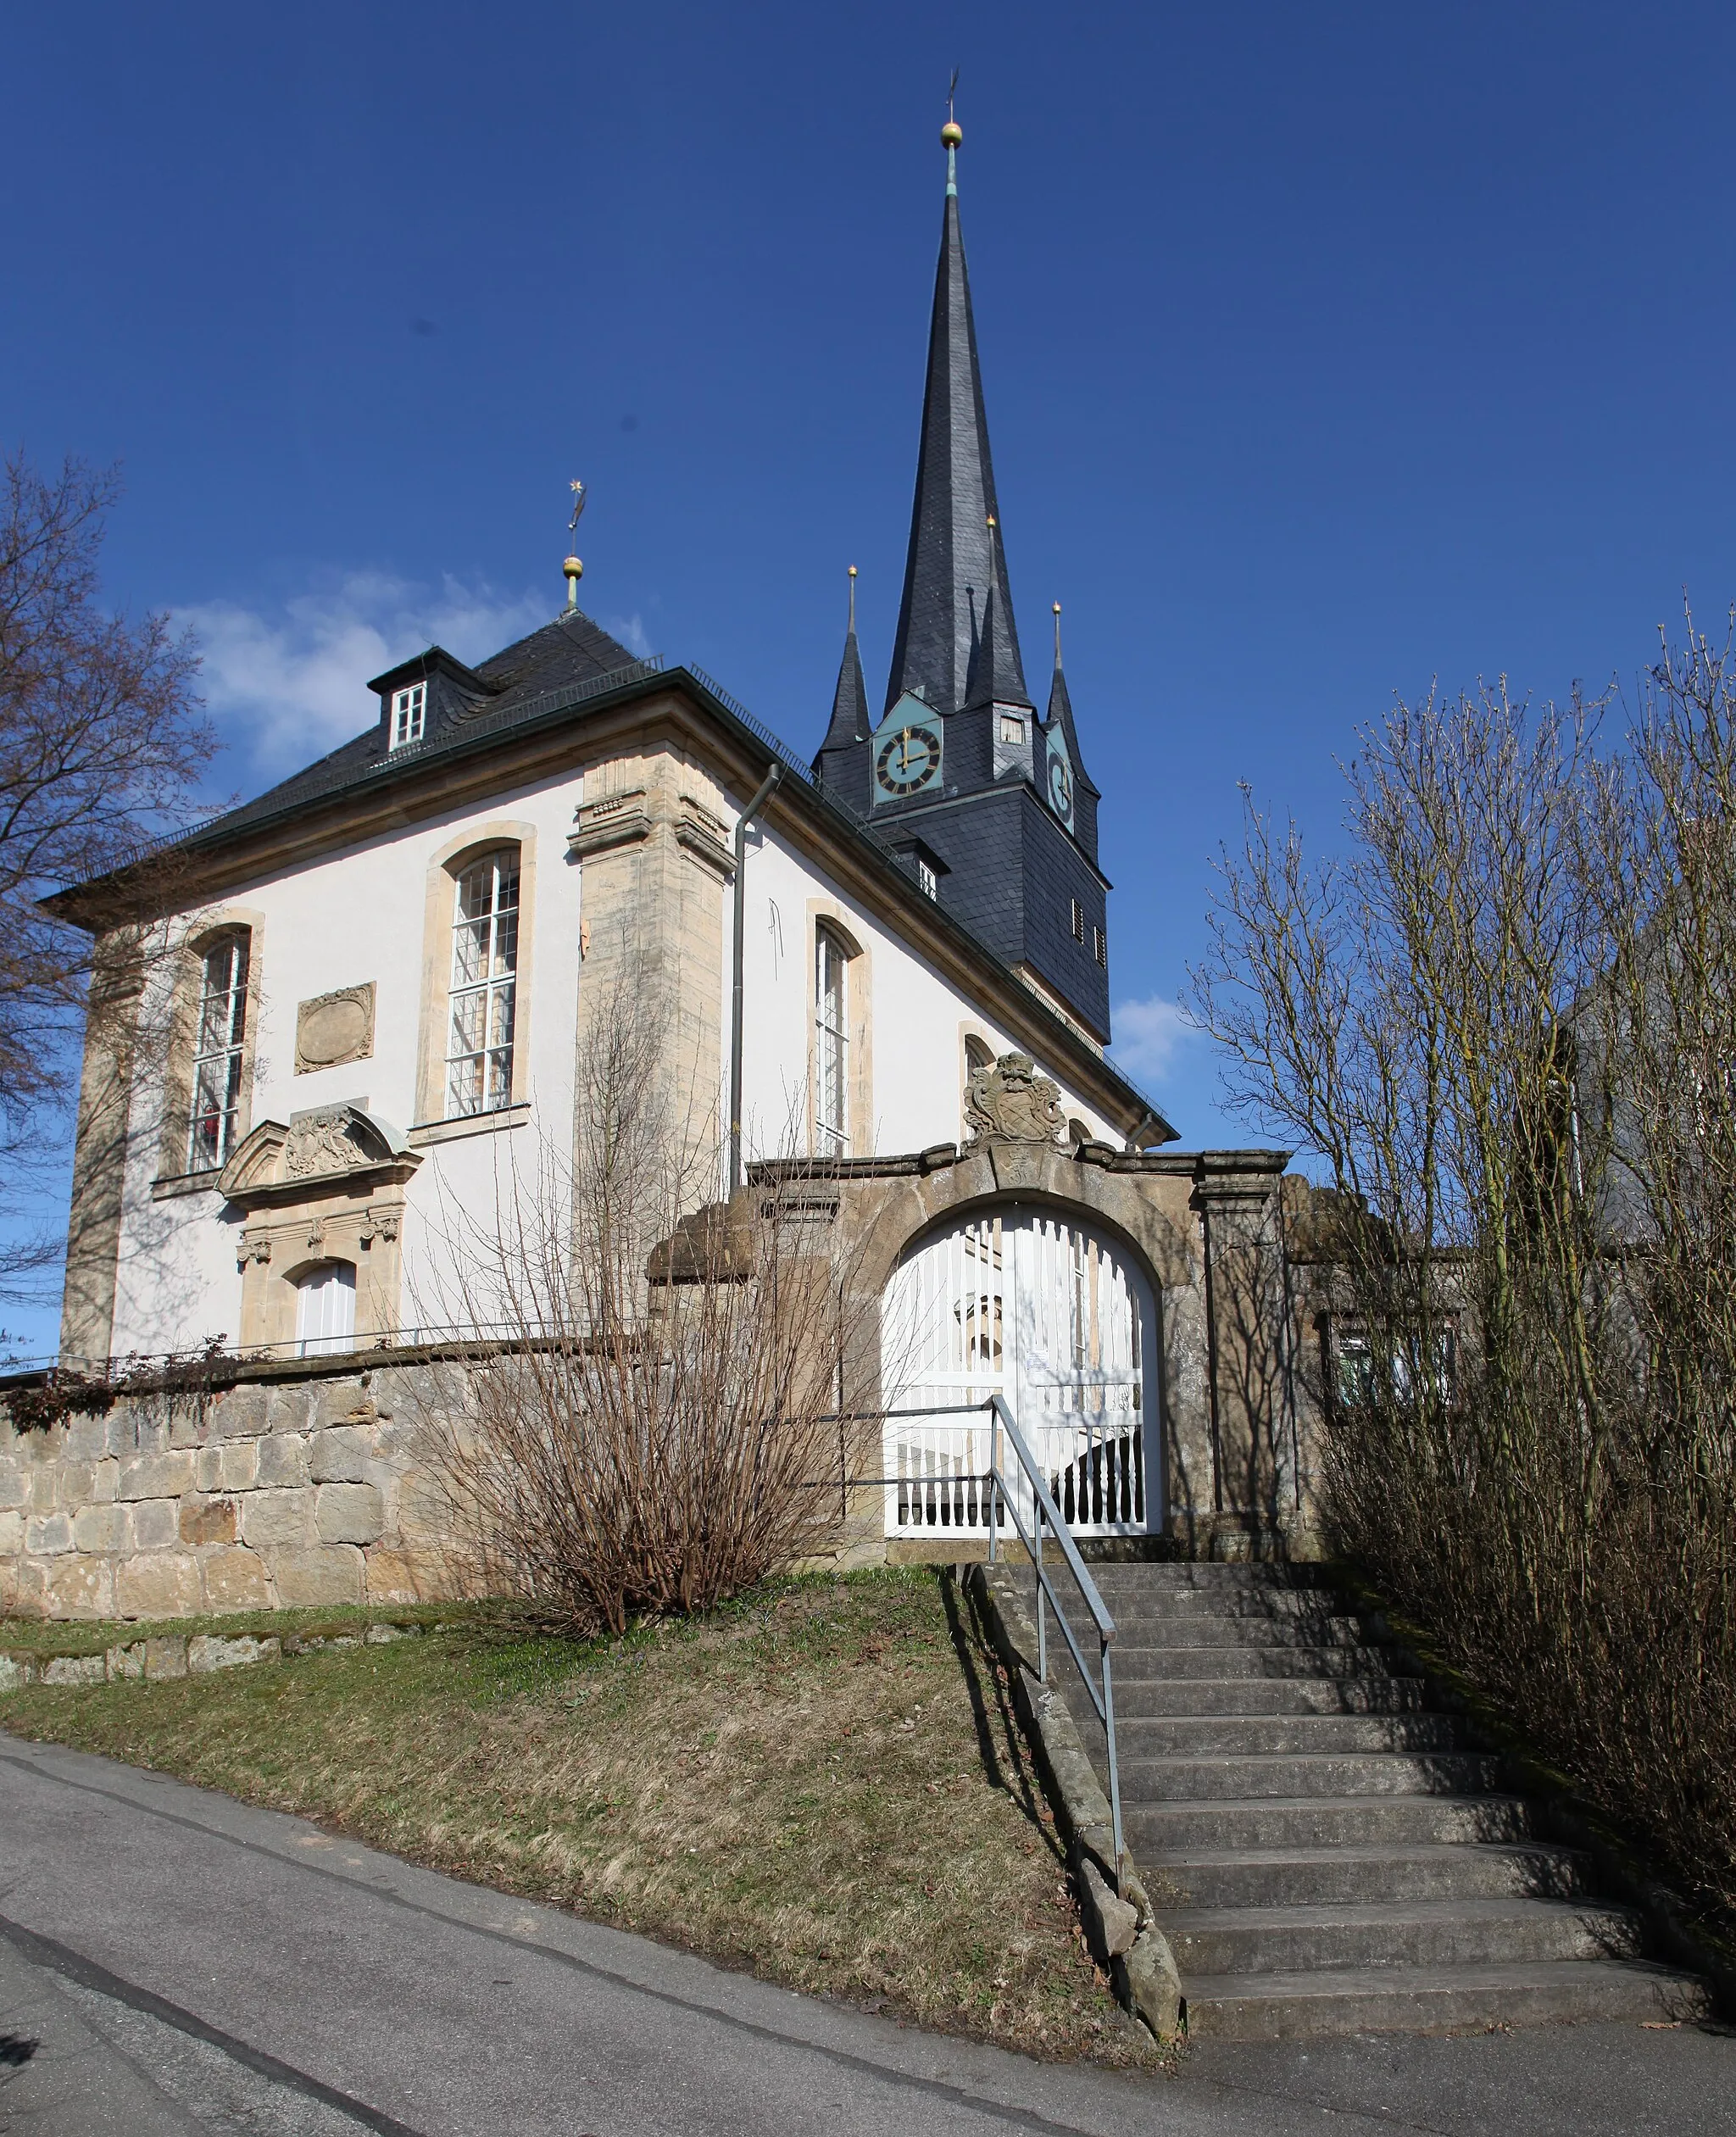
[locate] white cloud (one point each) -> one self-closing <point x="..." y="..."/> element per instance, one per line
<point x="1149" y="1034"/>
<point x="631" y="631"/>
<point x="287" y="685"/>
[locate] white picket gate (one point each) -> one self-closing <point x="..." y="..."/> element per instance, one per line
<point x="1022" y="1302"/>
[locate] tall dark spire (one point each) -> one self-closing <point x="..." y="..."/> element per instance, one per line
<point x="955" y="578"/>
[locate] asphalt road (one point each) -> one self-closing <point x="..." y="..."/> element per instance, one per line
<point x="171" y="1962"/>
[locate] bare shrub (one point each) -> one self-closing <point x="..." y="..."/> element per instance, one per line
<point x="1503" y="1024"/>
<point x="648" y="1418"/>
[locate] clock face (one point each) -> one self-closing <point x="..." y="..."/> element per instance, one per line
<point x="1060" y="787"/>
<point x="907" y="760"/>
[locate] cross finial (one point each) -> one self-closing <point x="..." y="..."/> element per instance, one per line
<point x="951" y="135"/>
<point x="1057" y="634"/>
<point x="853" y="596"/>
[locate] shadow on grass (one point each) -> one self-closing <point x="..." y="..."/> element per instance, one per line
<point x="1000" y="1741"/>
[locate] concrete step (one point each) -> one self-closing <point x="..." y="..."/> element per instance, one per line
<point x="1404" y="1933"/>
<point x="1138" y="1695"/>
<point x="1161" y="1832"/>
<point x="1196" y="1573"/>
<point x="1348" y="1875"/>
<point x="1170" y="1636"/>
<point x="1285" y="2006"/>
<point x="1291" y="1773"/>
<point x="1179" y="1604"/>
<point x="1170" y="1660"/>
<point x="1197" y="1736"/>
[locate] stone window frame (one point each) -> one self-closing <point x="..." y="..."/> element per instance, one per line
<point x="445" y="866"/>
<point x="827" y="914"/>
<point x="186" y="990"/>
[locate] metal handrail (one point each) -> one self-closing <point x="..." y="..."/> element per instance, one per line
<point x="1104" y="1701"/>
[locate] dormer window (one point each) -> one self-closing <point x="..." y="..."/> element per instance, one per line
<point x="1012" y="728"/>
<point x="409" y="714"/>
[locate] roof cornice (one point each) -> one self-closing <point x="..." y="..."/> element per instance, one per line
<point x="466" y="768"/>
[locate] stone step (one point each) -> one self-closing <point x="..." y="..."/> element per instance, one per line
<point x="1285" y="2006"/>
<point x="1295" y="1773"/>
<point x="1198" y="1736"/>
<point x="1348" y="1875"/>
<point x="1160" y="1831"/>
<point x="1406" y="1932"/>
<point x="1182" y="1695"/>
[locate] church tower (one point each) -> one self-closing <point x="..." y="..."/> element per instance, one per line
<point x="988" y="802"/>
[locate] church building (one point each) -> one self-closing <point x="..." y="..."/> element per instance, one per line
<point x="886" y="960"/>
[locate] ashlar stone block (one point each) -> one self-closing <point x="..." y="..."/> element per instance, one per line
<point x="283" y="1461"/>
<point x="343" y="1402"/>
<point x="236" y="1580"/>
<point x="166" y="1475"/>
<point x="76" y="1587"/>
<point x="278" y="1520"/>
<point x="341" y="1455"/>
<point x="105" y="1528"/>
<point x="155" y="1523"/>
<point x="232" y="1465"/>
<point x="239" y="1413"/>
<point x="348" y="1513"/>
<point x="208" y="1521"/>
<point x="330" y="1573"/>
<point x="158" y="1583"/>
<point x="11" y="1532"/>
<point x="47" y="1533"/>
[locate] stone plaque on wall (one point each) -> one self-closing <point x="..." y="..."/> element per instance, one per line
<point x="334" y="1028"/>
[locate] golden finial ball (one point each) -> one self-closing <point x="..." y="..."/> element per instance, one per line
<point x="573" y="568"/>
<point x="951" y="134"/>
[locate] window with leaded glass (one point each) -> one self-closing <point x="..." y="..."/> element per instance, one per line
<point x="485" y="958"/>
<point x="831" y="1045"/>
<point x="219" y="1048"/>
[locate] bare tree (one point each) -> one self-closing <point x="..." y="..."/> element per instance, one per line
<point x="646" y="1417"/>
<point x="1502" y="1023"/>
<point x="102" y="746"/>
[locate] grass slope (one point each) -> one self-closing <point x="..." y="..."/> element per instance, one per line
<point x="823" y="1782"/>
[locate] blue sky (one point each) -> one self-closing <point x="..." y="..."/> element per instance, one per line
<point x="1327" y="351"/>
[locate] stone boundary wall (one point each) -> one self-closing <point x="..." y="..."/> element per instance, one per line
<point x="172" y="1655"/>
<point x="298" y="1486"/>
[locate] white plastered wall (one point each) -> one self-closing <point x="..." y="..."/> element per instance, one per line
<point x="359" y="915"/>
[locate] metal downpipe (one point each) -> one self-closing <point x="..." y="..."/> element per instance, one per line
<point x="743" y="825"/>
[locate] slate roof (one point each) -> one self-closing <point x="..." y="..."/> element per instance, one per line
<point x="572" y="650"/>
<point x="1061" y="708"/>
<point x="956" y="562"/>
<point x="849" y="701"/>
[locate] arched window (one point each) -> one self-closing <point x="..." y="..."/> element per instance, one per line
<point x="481" y="997"/>
<point x="219" y="1048"/>
<point x="326" y="1309"/>
<point x="831" y="1083"/>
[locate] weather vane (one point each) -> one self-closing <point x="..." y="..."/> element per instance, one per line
<point x="574" y="569"/>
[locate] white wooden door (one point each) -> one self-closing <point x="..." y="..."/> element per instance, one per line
<point x="1026" y="1302"/>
